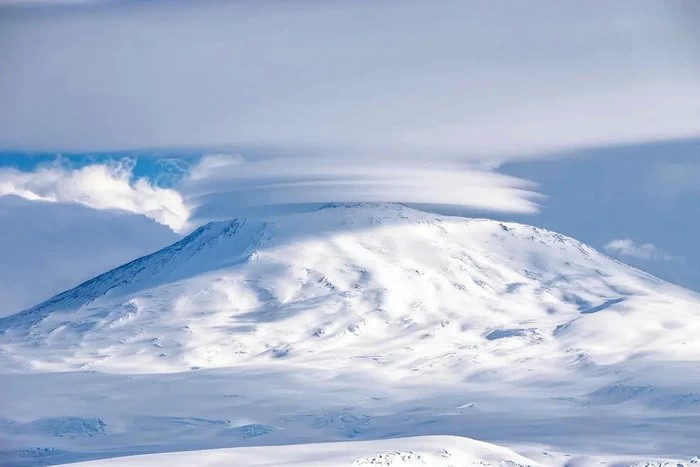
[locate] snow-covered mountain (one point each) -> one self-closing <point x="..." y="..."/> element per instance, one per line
<point x="358" y="321"/>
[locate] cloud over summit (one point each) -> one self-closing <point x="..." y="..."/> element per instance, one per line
<point x="224" y="185"/>
<point x="310" y="102"/>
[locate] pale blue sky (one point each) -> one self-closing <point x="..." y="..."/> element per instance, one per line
<point x="648" y="193"/>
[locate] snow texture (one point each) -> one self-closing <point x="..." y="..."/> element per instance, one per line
<point x="357" y="322"/>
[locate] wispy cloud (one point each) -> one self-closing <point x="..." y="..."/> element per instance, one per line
<point x="99" y="186"/>
<point x="644" y="251"/>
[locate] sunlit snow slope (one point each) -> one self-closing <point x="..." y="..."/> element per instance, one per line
<point x="364" y="321"/>
<point x="433" y="451"/>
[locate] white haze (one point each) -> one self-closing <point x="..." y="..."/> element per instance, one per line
<point x="461" y="79"/>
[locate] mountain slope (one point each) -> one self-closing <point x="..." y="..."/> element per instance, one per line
<point x="349" y="278"/>
<point x="358" y="321"/>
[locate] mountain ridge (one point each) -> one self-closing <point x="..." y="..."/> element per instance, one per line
<point x="477" y="262"/>
<point x="358" y="322"/>
<point x="232" y="226"/>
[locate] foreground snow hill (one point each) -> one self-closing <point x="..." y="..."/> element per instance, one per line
<point x="434" y="451"/>
<point x="357" y="321"/>
<point x="423" y="451"/>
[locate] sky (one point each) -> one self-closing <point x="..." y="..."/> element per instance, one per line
<point x="155" y="117"/>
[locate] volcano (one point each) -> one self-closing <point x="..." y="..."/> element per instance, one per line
<point x="363" y="322"/>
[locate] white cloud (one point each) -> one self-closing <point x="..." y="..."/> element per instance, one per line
<point x="224" y="186"/>
<point x="645" y="251"/>
<point x="470" y="79"/>
<point x="99" y="186"/>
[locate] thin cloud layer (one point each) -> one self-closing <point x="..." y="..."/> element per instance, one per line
<point x="460" y="79"/>
<point x="99" y="186"/>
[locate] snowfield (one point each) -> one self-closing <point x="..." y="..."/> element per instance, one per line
<point x="363" y="325"/>
<point x="436" y="451"/>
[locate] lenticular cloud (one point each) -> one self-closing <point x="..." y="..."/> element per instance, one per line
<point x="223" y="184"/>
